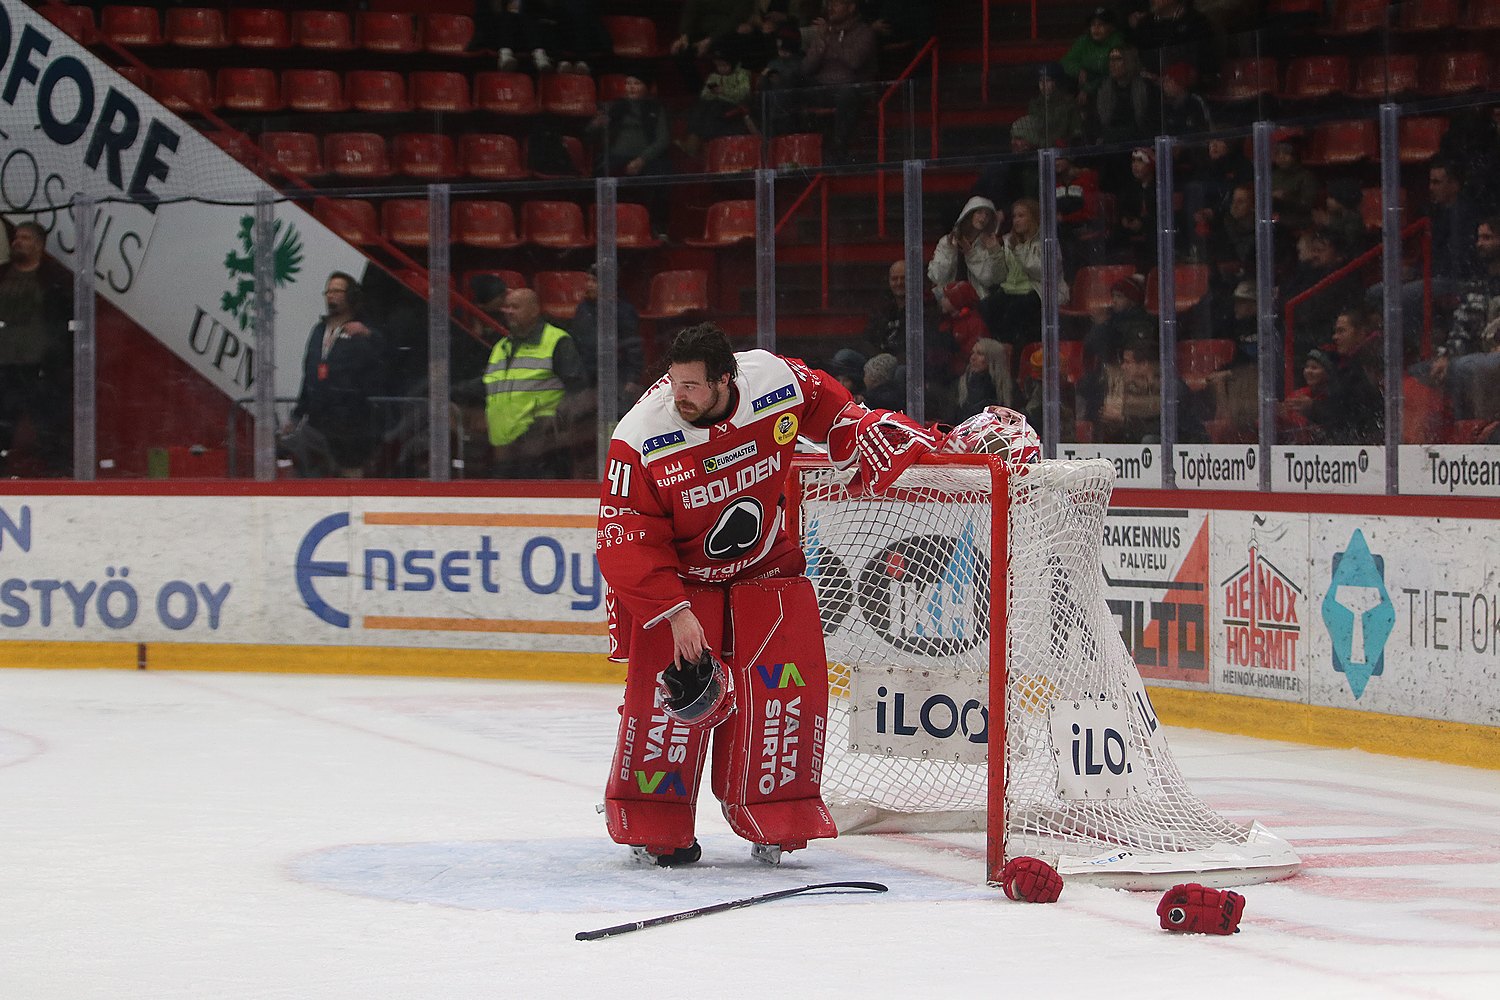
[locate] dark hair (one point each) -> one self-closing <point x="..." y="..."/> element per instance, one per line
<point x="351" y="287"/>
<point x="34" y="226"/>
<point x="707" y="343"/>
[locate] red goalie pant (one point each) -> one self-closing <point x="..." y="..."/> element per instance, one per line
<point x="768" y="755"/>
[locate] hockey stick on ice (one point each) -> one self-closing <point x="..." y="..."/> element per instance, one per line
<point x="732" y="904"/>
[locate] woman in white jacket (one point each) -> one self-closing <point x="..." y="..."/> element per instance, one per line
<point x="971" y="252"/>
<point x="1014" y="311"/>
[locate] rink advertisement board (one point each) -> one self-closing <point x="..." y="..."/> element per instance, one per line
<point x="1157" y="585"/>
<point x="172" y="243"/>
<point x="1261" y="609"/>
<point x="441" y="572"/>
<point x="1137" y="466"/>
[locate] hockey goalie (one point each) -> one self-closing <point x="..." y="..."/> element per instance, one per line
<point x="708" y="604"/>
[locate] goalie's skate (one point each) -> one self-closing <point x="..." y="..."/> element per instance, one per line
<point x="682" y="856"/>
<point x="769" y="854"/>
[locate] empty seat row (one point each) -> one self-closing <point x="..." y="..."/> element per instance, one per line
<point x="264" y="91"/>
<point x="487" y="156"/>
<point x="491" y="225"/>
<point x="734" y="153"/>
<point x="1372" y="77"/>
<point x="672" y="294"/>
<point x="1360" y="17"/>
<point x="1345" y="143"/>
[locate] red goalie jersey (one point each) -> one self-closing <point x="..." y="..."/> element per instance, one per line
<point x="684" y="504"/>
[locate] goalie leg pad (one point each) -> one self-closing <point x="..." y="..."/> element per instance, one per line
<point x="768" y="758"/>
<point x="652" y="792"/>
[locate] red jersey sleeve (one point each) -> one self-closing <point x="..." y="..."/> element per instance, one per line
<point x="825" y="396"/>
<point x="635" y="539"/>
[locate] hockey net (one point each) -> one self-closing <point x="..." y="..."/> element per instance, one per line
<point x="904" y="588"/>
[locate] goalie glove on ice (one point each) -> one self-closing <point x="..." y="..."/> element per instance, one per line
<point x="1031" y="880"/>
<point x="1197" y="909"/>
<point x="699" y="693"/>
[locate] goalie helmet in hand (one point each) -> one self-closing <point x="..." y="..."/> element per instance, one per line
<point x="996" y="430"/>
<point x="698" y="693"/>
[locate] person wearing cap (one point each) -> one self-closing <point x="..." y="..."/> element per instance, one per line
<point x="1349" y="408"/>
<point x="1296" y="428"/>
<point x="1125" y="317"/>
<point x="1134" y="238"/>
<point x="1087" y="59"/>
<point x="633" y="130"/>
<point x="1235" y="388"/>
<point x="848" y="366"/>
<point x="723" y="106"/>
<point x="1054" y="113"/>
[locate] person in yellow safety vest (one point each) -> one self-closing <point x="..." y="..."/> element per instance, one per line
<point x="529" y="374"/>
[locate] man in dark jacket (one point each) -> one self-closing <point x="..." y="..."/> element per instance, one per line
<point x="36" y="352"/>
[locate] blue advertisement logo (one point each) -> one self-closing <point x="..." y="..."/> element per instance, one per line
<point x="1358" y="613"/>
<point x="309" y="569"/>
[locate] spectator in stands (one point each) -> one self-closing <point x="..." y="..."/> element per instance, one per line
<point x="1318" y="257"/>
<point x="1236" y="388"/>
<point x="702" y="24"/>
<point x="903" y="27"/>
<point x="1340" y="214"/>
<point x="968" y="255"/>
<point x="1134" y="237"/>
<point x="1213" y="182"/>
<point x="1294" y="188"/>
<point x="1473" y="139"/>
<point x="1229" y="246"/>
<point x="1080" y="223"/>
<point x="1054" y="113"/>
<point x="1296" y="426"/>
<point x="1087" y="60"/>
<point x="629" y="355"/>
<point x="633" y="135"/>
<point x="36" y="353"/>
<point x="332" y="431"/>
<point x="1123" y="400"/>
<point x="1125" y="318"/>
<point x="839" y="60"/>
<point x="780" y="105"/>
<point x="1352" y="410"/>
<point x="1469" y="360"/>
<point x="1454" y="220"/>
<point x="885" y="333"/>
<point x="1126" y="105"/>
<point x="529" y="375"/>
<point x="546" y="30"/>
<point x="885" y="387"/>
<point x="848" y="366"/>
<point x="985" y="382"/>
<point x="723" y="106"/>
<point x="1175" y="31"/>
<point x="1006" y="180"/>
<point x="1183" y="110"/>
<point x="1014" y="312"/>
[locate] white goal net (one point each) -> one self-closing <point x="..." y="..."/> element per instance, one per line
<point x="904" y="586"/>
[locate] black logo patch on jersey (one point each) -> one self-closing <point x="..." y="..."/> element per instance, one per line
<point x="736" y="532"/>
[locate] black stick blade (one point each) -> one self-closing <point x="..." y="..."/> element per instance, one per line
<point x="732" y="904"/>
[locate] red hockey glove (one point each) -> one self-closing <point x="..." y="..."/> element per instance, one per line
<point x="1031" y="880"/>
<point x="1197" y="909"/>
<point x="883" y="443"/>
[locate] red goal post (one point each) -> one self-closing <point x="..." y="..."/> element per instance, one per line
<point x="919" y="692"/>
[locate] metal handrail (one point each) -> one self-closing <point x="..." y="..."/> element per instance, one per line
<point x="1421" y="226"/>
<point x="820" y="184"/>
<point x="932" y="49"/>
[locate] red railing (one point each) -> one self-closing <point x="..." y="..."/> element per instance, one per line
<point x="820" y="185"/>
<point x="930" y="49"/>
<point x="1423" y="228"/>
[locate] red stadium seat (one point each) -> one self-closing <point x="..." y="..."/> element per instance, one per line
<point x="356" y="154"/>
<point x="259" y="28"/>
<point x="130" y="25"/>
<point x="447" y="34"/>
<point x="1246" y="79"/>
<point x="352" y="219"/>
<point x="560" y="291"/>
<point x="377" y="90"/>
<point x="632" y="226"/>
<point x="439" y="91"/>
<point x="196" y="28"/>
<point x="1420" y="16"/>
<point x="237" y="145"/>
<point x="423" y="154"/>
<point x="1482" y="15"/>
<point x="1451" y="73"/>
<point x="404" y="221"/>
<point x="729" y="154"/>
<point x="389" y="32"/>
<point x="554" y="224"/>
<point x="313" y="90"/>
<point x="1191" y="287"/>
<point x="676" y="293"/>
<point x="1379" y="77"/>
<point x="1091" y="288"/>
<point x="1370" y="209"/>
<point x="611" y="87"/>
<point x="574" y="146"/>
<point x="512" y="279"/>
<point x="570" y="94"/>
<point x="632" y="37"/>
<point x="138" y="75"/>
<point x="1418" y="139"/>
<point x="490" y="225"/>
<point x="490" y="156"/>
<point x="1341" y="144"/>
<point x="728" y="223"/>
<point x="325" y="30"/>
<point x="1070" y="355"/>
<point x="183" y="90"/>
<point x="505" y="93"/>
<point x="1357" y="17"/>
<point x="797" y="150"/>
<point x="242" y="89"/>
<point x="76" y="21"/>
<point x="297" y="154"/>
<point x="1197" y="358"/>
<point x="1316" y="77"/>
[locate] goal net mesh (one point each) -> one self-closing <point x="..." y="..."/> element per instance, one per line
<point x="903" y="583"/>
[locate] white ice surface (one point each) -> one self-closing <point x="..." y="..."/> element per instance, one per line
<point x="225" y="836"/>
